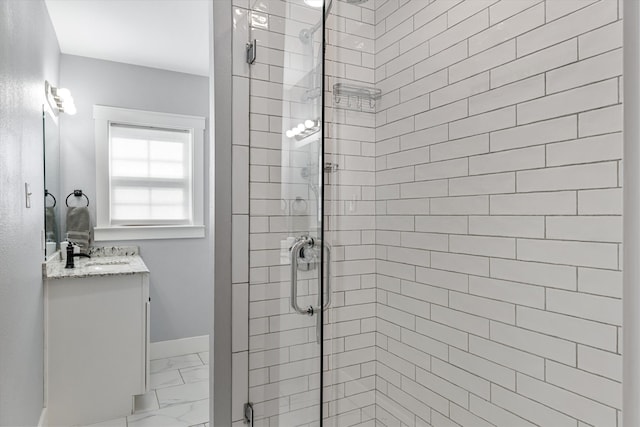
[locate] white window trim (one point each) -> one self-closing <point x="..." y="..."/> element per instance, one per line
<point x="104" y="230"/>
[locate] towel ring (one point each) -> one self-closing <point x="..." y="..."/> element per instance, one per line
<point x="76" y="193"/>
<point x="46" y="193"/>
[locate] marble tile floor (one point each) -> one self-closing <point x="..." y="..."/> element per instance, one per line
<point x="179" y="395"/>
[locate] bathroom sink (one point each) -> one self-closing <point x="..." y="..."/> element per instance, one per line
<point x="107" y="266"/>
<point x="101" y="263"/>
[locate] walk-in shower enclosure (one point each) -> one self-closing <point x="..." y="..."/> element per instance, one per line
<point x="427" y="203"/>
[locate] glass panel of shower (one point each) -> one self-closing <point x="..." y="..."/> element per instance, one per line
<point x="455" y="168"/>
<point x="286" y="213"/>
<point x="473" y="206"/>
<point x="349" y="365"/>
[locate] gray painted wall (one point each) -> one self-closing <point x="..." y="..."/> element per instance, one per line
<point x="29" y="54"/>
<point x="181" y="282"/>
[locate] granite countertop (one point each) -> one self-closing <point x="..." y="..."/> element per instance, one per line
<point x="102" y="263"/>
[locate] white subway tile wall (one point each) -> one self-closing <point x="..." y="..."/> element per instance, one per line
<point x="506" y="181"/>
<point x="474" y="215"/>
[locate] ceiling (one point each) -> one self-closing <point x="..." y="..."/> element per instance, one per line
<point x="167" y="34"/>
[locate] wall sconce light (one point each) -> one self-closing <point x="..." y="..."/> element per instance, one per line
<point x="59" y="99"/>
<point x="315" y="3"/>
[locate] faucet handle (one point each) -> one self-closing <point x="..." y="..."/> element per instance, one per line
<point x="70" y="255"/>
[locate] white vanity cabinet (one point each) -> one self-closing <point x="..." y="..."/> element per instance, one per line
<point x="97" y="345"/>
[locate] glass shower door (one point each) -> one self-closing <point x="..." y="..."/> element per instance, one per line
<point x="286" y="239"/>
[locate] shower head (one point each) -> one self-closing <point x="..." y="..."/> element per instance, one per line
<point x="306" y="34"/>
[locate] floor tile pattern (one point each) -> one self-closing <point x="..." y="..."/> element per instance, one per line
<point x="179" y="395"/>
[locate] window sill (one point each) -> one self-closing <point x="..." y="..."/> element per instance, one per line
<point x="148" y="232"/>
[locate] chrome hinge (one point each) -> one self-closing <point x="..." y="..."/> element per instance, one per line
<point x="252" y="51"/>
<point x="248" y="414"/>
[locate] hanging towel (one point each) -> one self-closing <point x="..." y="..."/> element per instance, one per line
<point x="79" y="227"/>
<point x="51" y="223"/>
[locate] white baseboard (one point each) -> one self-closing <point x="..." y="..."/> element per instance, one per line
<point x="43" y="421"/>
<point x="179" y="347"/>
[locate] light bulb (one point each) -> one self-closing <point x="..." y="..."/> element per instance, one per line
<point x="290" y="133"/>
<point x="70" y="109"/>
<point x="64" y="93"/>
<point x="295" y="131"/>
<point x="302" y="127"/>
<point x="309" y="124"/>
<point x="315" y="3"/>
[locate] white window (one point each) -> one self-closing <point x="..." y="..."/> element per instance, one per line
<point x="149" y="174"/>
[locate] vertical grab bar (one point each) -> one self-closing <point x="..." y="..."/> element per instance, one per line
<point x="295" y="252"/>
<point x="296" y="248"/>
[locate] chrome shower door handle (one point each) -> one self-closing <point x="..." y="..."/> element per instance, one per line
<point x="327" y="261"/>
<point x="300" y="244"/>
<point x="327" y="279"/>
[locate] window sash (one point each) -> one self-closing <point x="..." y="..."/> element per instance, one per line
<point x="150" y="183"/>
